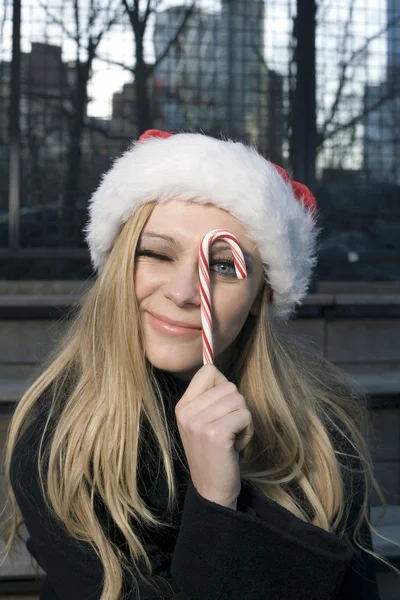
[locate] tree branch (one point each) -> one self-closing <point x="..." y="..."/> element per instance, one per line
<point x="148" y="12"/>
<point x="352" y="122"/>
<point x="133" y="13"/>
<point x="342" y="80"/>
<point x="78" y="32"/>
<point x="93" y="13"/>
<point x="173" y="40"/>
<point x="105" y="29"/>
<point x="116" y="63"/>
<point x="343" y="72"/>
<point x="59" y="22"/>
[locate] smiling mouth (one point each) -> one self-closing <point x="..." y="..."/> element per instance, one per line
<point x="170" y="329"/>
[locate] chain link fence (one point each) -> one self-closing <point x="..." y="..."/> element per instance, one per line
<point x="315" y="88"/>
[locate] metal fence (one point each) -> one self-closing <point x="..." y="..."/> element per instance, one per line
<point x="314" y="85"/>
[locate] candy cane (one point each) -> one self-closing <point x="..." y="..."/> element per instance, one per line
<point x="205" y="292"/>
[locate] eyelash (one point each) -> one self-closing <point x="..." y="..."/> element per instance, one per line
<point x="224" y="261"/>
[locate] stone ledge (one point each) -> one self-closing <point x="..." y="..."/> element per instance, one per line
<point x="14" y="300"/>
<point x="49" y="288"/>
<point x="383" y="383"/>
<point x="11" y="390"/>
<point x="388" y="526"/>
<point x="59" y="297"/>
<point x="22" y="564"/>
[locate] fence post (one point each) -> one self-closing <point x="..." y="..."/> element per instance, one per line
<point x="15" y="146"/>
<point x="304" y="132"/>
<point x="305" y="116"/>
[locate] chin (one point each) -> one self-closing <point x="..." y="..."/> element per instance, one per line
<point x="174" y="364"/>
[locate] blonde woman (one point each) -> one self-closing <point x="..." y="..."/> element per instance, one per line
<point x="139" y="472"/>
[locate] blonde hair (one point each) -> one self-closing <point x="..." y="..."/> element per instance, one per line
<point x="100" y="369"/>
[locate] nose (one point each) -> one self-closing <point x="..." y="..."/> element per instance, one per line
<point x="183" y="285"/>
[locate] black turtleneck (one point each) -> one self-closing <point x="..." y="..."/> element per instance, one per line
<point x="172" y="386"/>
<point x="259" y="552"/>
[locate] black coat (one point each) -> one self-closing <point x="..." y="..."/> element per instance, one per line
<point x="260" y="551"/>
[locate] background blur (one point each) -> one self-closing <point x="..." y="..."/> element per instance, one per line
<point x="315" y="88"/>
<point x="314" y="85"/>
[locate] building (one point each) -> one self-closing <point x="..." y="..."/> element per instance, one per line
<point x="44" y="107"/>
<point x="45" y="96"/>
<point x="123" y="127"/>
<point x="214" y="77"/>
<point x="187" y="74"/>
<point x="40" y="95"/>
<point x="382" y="109"/>
<point x="393" y="39"/>
<point x="382" y="132"/>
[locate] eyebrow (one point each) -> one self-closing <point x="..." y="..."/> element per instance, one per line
<point x="219" y="242"/>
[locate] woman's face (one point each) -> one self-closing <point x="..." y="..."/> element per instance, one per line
<point x="167" y="284"/>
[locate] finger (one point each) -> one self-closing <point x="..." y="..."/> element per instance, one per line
<point x="226" y="429"/>
<point x="213" y="410"/>
<point x="239" y="421"/>
<point x="203" y="402"/>
<point x="242" y="439"/>
<point x="205" y="379"/>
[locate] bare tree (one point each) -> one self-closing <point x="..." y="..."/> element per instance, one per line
<point x="142" y="71"/>
<point x="334" y="121"/>
<point x="88" y="29"/>
<point x="332" y="124"/>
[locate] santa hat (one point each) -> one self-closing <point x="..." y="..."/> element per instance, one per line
<point x="279" y="214"/>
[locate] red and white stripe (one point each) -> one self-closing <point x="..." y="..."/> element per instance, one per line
<point x="205" y="291"/>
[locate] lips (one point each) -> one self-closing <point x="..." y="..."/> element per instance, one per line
<point x="174" y="323"/>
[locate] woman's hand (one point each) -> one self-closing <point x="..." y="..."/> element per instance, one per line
<point x="215" y="425"/>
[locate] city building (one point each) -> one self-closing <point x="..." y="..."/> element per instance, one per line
<point x="382" y="110"/>
<point x="393" y="39"/>
<point x="214" y="77"/>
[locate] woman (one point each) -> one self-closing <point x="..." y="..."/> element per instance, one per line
<point x="140" y="473"/>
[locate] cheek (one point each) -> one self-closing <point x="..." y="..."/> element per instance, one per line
<point x="145" y="281"/>
<point x="230" y="309"/>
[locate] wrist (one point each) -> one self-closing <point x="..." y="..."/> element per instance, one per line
<point x="211" y="498"/>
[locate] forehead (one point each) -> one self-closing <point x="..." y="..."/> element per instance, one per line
<point x="189" y="222"/>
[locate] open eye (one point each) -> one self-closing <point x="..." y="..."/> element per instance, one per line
<point x="225" y="262"/>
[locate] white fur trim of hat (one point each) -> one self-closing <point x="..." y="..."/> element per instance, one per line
<point x="279" y="214"/>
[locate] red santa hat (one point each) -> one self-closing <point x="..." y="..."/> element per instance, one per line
<point x="279" y="214"/>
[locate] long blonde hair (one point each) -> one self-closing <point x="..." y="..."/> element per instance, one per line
<point x="99" y="368"/>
